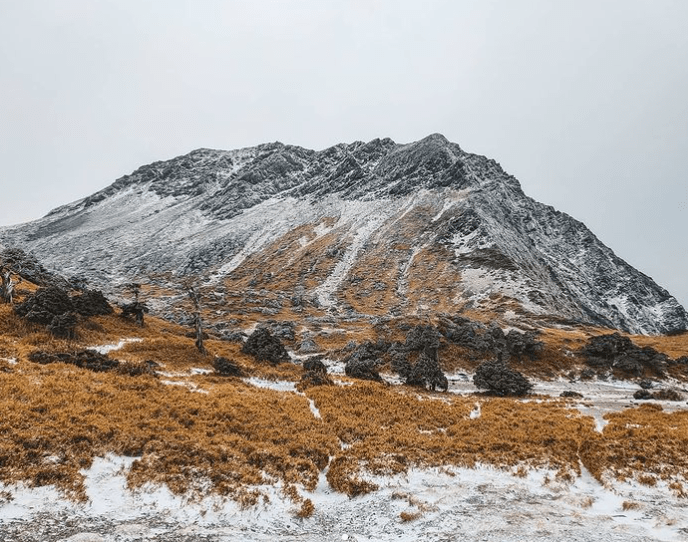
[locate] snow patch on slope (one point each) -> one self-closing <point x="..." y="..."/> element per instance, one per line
<point x="360" y="220"/>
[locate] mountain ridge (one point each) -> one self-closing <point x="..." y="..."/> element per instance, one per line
<point x="392" y="215"/>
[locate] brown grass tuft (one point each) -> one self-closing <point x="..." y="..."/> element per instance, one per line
<point x="630" y="505"/>
<point x="406" y="516"/>
<point x="307" y="509"/>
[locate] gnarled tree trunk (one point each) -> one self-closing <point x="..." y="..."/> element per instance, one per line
<point x="7" y="285"/>
<point x="198" y="323"/>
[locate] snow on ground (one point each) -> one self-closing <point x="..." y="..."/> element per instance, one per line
<point x="282" y="385"/>
<point x="278" y="385"/>
<point x="314" y="409"/>
<point x="105" y="348"/>
<point x="191" y="386"/>
<point x="435" y="505"/>
<point x="363" y="224"/>
<point x="440" y="504"/>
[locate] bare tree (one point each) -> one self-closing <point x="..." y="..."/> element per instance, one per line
<point x="136" y="308"/>
<point x="198" y="323"/>
<point x="7" y="285"/>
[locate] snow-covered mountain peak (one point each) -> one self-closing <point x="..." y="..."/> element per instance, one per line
<point x="364" y="229"/>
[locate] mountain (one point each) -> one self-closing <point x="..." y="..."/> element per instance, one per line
<point x="358" y="230"/>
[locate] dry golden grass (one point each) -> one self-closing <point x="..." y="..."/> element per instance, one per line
<point x="433" y="282"/>
<point x="280" y="265"/>
<point x="645" y="443"/>
<point x="674" y="346"/>
<point x="387" y="430"/>
<point x="377" y="273"/>
<point x="629" y="505"/>
<point x="406" y="516"/>
<point x="307" y="509"/>
<point x="58" y="418"/>
<point x="230" y="439"/>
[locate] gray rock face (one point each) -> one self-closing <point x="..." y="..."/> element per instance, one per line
<point x="209" y="213"/>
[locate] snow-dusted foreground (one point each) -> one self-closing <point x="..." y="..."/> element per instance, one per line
<point x="453" y="504"/>
<point x="482" y="504"/>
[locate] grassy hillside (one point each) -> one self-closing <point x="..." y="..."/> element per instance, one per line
<point x="203" y="433"/>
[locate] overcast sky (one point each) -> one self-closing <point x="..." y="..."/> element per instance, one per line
<point x="585" y="102"/>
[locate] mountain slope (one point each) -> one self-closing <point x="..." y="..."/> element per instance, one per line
<point x="361" y="229"/>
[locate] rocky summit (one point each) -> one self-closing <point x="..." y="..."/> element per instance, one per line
<point x="360" y="230"/>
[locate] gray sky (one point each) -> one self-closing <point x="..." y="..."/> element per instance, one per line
<point x="585" y="101"/>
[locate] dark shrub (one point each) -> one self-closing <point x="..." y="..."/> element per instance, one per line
<point x="499" y="379"/>
<point x="315" y="365"/>
<point x="668" y="395"/>
<point x="426" y="373"/>
<point x="135" y="368"/>
<point x="314" y="378"/>
<point x="226" y="367"/>
<point x="422" y="338"/>
<point x="618" y="353"/>
<point x="86" y="359"/>
<point x="263" y="346"/>
<point x="91" y="303"/>
<point x="45" y="304"/>
<point x="363" y="362"/>
<point x="63" y="325"/>
<point x="659" y="395"/>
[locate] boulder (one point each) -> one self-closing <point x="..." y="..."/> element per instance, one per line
<point x="308" y="346"/>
